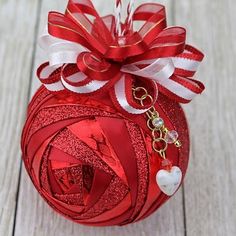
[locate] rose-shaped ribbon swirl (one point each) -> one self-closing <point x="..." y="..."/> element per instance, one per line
<point x="87" y="57"/>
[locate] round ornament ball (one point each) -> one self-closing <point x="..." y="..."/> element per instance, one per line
<point x="94" y="165"/>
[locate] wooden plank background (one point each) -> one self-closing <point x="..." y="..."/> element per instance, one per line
<point x="207" y="203"/>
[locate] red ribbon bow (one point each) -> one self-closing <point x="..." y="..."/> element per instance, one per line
<point x="87" y="57"/>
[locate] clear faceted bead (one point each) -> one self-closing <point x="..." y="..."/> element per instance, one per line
<point x="171" y="136"/>
<point x="158" y="122"/>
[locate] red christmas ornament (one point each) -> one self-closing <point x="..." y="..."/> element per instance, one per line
<point x="106" y="141"/>
<point x="94" y="165"/>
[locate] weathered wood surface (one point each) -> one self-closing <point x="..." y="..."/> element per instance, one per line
<point x="17" y="36"/>
<point x="210" y="187"/>
<point x="207" y="206"/>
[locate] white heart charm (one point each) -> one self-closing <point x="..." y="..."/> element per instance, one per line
<point x="169" y="181"/>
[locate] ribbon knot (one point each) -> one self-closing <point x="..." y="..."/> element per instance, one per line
<point x="87" y="57"/>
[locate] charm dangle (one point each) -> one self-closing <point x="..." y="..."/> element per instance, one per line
<point x="169" y="180"/>
<point x="170" y="177"/>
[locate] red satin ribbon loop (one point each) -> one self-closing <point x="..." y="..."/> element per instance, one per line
<point x="96" y="67"/>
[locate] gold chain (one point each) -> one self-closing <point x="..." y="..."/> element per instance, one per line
<point x="156" y="124"/>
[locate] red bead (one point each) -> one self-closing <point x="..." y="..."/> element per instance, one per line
<point x="166" y="164"/>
